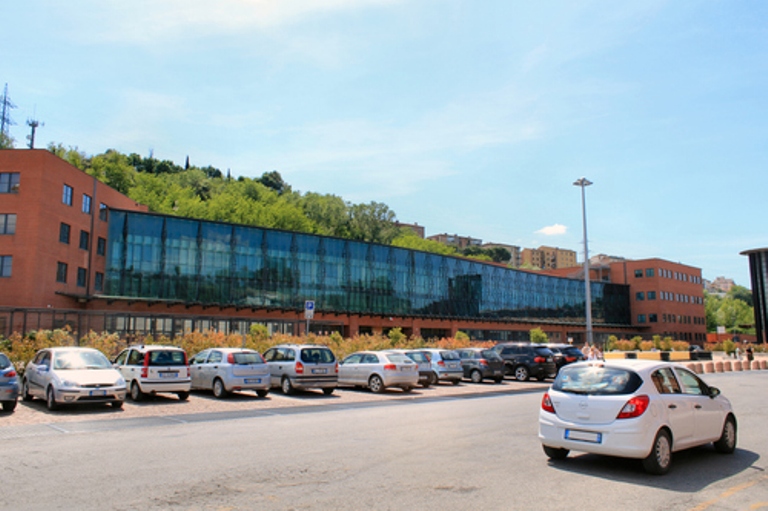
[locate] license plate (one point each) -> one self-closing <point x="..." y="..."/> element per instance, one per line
<point x="319" y="371"/>
<point x="406" y="368"/>
<point x="169" y="374"/>
<point x="497" y="372"/>
<point x="583" y="436"/>
<point x="253" y="380"/>
<point x="98" y="393"/>
<point x="453" y="366"/>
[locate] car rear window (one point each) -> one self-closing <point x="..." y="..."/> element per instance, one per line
<point x="418" y="356"/>
<point x="596" y="380"/>
<point x="450" y="355"/>
<point x="543" y="352"/>
<point x="4" y="362"/>
<point x="317" y="355"/>
<point x="572" y="351"/>
<point x="247" y="358"/>
<point x="167" y="358"/>
<point x="490" y="355"/>
<point x="399" y="358"/>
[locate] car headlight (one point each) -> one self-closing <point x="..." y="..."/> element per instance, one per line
<point x="120" y="382"/>
<point x="69" y="384"/>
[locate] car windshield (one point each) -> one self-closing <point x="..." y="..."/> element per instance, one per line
<point x="247" y="358"/>
<point x="596" y="380"/>
<point x="450" y="355"/>
<point x="317" y="355"/>
<point x="77" y="359"/>
<point x="167" y="358"/>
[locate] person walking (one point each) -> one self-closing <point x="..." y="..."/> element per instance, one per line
<point x="750" y="355"/>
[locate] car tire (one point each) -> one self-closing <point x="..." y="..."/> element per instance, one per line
<point x="521" y="373"/>
<point x="476" y="376"/>
<point x="262" y="392"/>
<point x="117" y="404"/>
<point x="183" y="396"/>
<point x="541" y="378"/>
<point x="136" y="393"/>
<point x="456" y="382"/>
<point x="726" y="444"/>
<point x="219" y="390"/>
<point x="9" y="406"/>
<point x="498" y="380"/>
<point x="435" y="379"/>
<point x="287" y="386"/>
<point x="328" y="391"/>
<point x="50" y="399"/>
<point x="25" y="395"/>
<point x="555" y="453"/>
<point x="407" y="389"/>
<point x="659" y="461"/>
<point x="376" y="384"/>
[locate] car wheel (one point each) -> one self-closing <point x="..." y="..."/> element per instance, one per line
<point x="435" y="379"/>
<point x="287" y="386"/>
<point x="660" y="459"/>
<point x="498" y="380"/>
<point x="541" y="378"/>
<point x="219" y="390"/>
<point x="456" y="382"/>
<point x="521" y="373"/>
<point x="25" y="395"/>
<point x="136" y="393"/>
<point x="50" y="399"/>
<point x="117" y="404"/>
<point x="9" y="406"/>
<point x="262" y="392"/>
<point x="476" y="376"/>
<point x="427" y="383"/>
<point x="555" y="453"/>
<point x="727" y="442"/>
<point x="375" y="384"/>
<point x="328" y="391"/>
<point x="183" y="396"/>
<point x="407" y="389"/>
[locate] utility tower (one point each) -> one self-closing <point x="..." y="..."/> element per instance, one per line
<point x="33" y="124"/>
<point x="5" y="117"/>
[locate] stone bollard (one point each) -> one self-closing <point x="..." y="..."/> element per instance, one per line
<point x="719" y="366"/>
<point x="737" y="365"/>
<point x="709" y="367"/>
<point x="699" y="367"/>
<point x="745" y="365"/>
<point x="691" y="366"/>
<point x="764" y="364"/>
<point x="727" y="366"/>
<point x="755" y="365"/>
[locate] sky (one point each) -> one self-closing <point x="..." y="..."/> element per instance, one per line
<point x="468" y="117"/>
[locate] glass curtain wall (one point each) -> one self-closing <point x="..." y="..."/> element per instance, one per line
<point x="192" y="261"/>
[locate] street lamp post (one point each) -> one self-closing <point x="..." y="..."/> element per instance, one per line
<point x="583" y="183"/>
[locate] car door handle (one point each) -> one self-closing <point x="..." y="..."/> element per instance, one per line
<point x="698" y="407"/>
<point x="672" y="406"/>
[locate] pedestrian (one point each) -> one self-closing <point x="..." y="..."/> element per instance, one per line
<point x="750" y="355"/>
<point x="737" y="353"/>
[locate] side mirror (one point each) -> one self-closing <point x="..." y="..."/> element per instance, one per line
<point x="714" y="392"/>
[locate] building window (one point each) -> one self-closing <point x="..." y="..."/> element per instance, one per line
<point x="6" y="262"/>
<point x="81" y="275"/>
<point x="639" y="296"/>
<point x="9" y="182"/>
<point x="653" y="318"/>
<point x="641" y="318"/>
<point x="639" y="274"/>
<point x="101" y="246"/>
<point x="651" y="295"/>
<point x="102" y="211"/>
<point x="61" y="272"/>
<point x="85" y="240"/>
<point x="98" y="285"/>
<point x="86" y="203"/>
<point x="7" y="223"/>
<point x="649" y="272"/>
<point x="64" y="233"/>
<point x="66" y="195"/>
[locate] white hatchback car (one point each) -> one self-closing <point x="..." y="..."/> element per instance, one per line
<point x="633" y="409"/>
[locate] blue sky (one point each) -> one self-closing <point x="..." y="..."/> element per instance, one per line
<point x="471" y="117"/>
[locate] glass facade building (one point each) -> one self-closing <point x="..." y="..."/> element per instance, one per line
<point x="181" y="260"/>
<point x="758" y="271"/>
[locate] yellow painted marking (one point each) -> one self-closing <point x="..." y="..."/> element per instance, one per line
<point x="729" y="493"/>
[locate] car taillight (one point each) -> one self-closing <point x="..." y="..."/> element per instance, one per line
<point x="539" y="360"/>
<point x="441" y="363"/>
<point x="337" y="367"/>
<point x="145" y="367"/>
<point x="10" y="374"/>
<point x="635" y="407"/>
<point x="231" y="358"/>
<point x="390" y="367"/>
<point x="570" y="359"/>
<point x="546" y="403"/>
<point x="299" y="368"/>
<point x="483" y="362"/>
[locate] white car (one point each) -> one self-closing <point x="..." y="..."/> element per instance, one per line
<point x="633" y="409"/>
<point x="72" y="375"/>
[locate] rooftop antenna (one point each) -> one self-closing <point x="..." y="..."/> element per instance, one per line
<point x="5" y="117"/>
<point x="33" y="124"/>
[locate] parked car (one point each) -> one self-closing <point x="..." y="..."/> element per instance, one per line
<point x="426" y="375"/>
<point x="634" y="409"/>
<point x="378" y="370"/>
<point x="227" y="370"/>
<point x="72" y="375"/>
<point x="152" y="369"/>
<point x="446" y="365"/>
<point x="565" y="354"/>
<point x="524" y="360"/>
<point x="481" y="363"/>
<point x="302" y="366"/>
<point x="9" y="384"/>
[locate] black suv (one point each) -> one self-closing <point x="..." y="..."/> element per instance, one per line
<point x="523" y="360"/>
<point x="565" y="354"/>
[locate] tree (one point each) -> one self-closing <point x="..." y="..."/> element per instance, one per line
<point x="373" y="222"/>
<point x="406" y="238"/>
<point x="275" y="181"/>
<point x="6" y="141"/>
<point x="741" y="293"/>
<point x="538" y="336"/>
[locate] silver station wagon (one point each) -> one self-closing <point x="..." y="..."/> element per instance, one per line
<point x="302" y="366"/>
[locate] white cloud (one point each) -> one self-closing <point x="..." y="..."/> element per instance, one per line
<point x="553" y="230"/>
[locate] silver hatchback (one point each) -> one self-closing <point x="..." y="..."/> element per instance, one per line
<point x="378" y="370"/>
<point x="9" y="384"/>
<point x="302" y="366"/>
<point x="446" y="364"/>
<point x="226" y="370"/>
